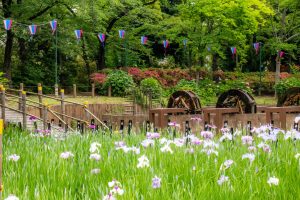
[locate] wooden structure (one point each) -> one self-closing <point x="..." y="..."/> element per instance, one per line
<point x="185" y="99"/>
<point x="236" y="98"/>
<point x="14" y="105"/>
<point x="162" y="112"/>
<point x="290" y="98"/>
<point x="282" y="111"/>
<point x="218" y="112"/>
<point x="232" y="103"/>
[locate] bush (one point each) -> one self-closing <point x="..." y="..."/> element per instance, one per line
<point x="136" y="74"/>
<point x="120" y="82"/>
<point x="3" y="81"/>
<point x="232" y="84"/>
<point x="151" y="86"/>
<point x="285" y="84"/>
<point x="98" y="78"/>
<point x="205" y="89"/>
<point x="295" y="69"/>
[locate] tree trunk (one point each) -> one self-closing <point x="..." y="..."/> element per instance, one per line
<point x="214" y="62"/>
<point x="6" y="4"/>
<point x="85" y="58"/>
<point x="101" y="57"/>
<point x="22" y="56"/>
<point x="7" y="55"/>
<point x="277" y="73"/>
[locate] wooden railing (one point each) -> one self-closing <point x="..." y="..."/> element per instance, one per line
<point x="22" y="103"/>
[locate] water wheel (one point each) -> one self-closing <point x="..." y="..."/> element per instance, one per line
<point x="237" y="98"/>
<point x="290" y="98"/>
<point x="185" y="99"/>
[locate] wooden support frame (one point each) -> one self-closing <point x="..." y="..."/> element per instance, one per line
<point x="24" y="110"/>
<point x="40" y="93"/>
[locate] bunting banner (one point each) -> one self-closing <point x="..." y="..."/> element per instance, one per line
<point x="32" y="29"/>
<point x="256" y="47"/>
<point x="281" y="54"/>
<point x="78" y="34"/>
<point x="144" y="40"/>
<point x="233" y="51"/>
<point x="166" y="44"/>
<point x="101" y="37"/>
<point x="122" y="34"/>
<point x="7" y="24"/>
<point x="53" y="25"/>
<point x="185" y="42"/>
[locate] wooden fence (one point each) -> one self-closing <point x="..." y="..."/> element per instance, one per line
<point x="17" y="101"/>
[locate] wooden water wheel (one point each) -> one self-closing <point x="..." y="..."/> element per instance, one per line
<point x="236" y="98"/>
<point x="185" y="99"/>
<point x="290" y="98"/>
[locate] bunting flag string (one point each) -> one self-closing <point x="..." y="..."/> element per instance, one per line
<point x="101" y="37"/>
<point x="122" y="34"/>
<point x="7" y="24"/>
<point x="281" y="54"/>
<point x="233" y="51"/>
<point x="144" y="40"/>
<point x="32" y="29"/>
<point x="53" y="25"/>
<point x="166" y="45"/>
<point x="256" y="47"/>
<point x="78" y="34"/>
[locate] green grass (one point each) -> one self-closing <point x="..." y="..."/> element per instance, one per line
<point x="265" y="100"/>
<point x="90" y="100"/>
<point x="42" y="174"/>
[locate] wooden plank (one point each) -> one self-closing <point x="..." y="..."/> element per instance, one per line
<point x="40" y="93"/>
<point x="24" y="110"/>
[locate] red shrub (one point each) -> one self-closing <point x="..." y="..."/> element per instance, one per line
<point x="136" y="73"/>
<point x="151" y="73"/>
<point x="98" y="78"/>
<point x="284" y="75"/>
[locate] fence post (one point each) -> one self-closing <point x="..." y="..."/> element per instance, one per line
<point x="74" y="91"/>
<point x="109" y="91"/>
<point x="1" y="132"/>
<point x="40" y="93"/>
<point x="93" y="89"/>
<point x="150" y="100"/>
<point x="20" y="95"/>
<point x="45" y="113"/>
<point x="63" y="108"/>
<point x="56" y="90"/>
<point x="3" y="103"/>
<point x="24" y="110"/>
<point x="86" y="106"/>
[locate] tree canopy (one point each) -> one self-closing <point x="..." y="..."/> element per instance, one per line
<point x="210" y="29"/>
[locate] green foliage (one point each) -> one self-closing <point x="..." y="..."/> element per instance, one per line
<point x="211" y="28"/>
<point x="208" y="90"/>
<point x="295" y="69"/>
<point x="120" y="82"/>
<point x="285" y="84"/>
<point x="232" y="84"/>
<point x="151" y="86"/>
<point x="3" y="80"/>
<point x="205" y="89"/>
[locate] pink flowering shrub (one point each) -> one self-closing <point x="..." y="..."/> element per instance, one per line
<point x="136" y="73"/>
<point x="99" y="78"/>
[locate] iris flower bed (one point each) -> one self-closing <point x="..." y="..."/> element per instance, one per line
<point x="204" y="165"/>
